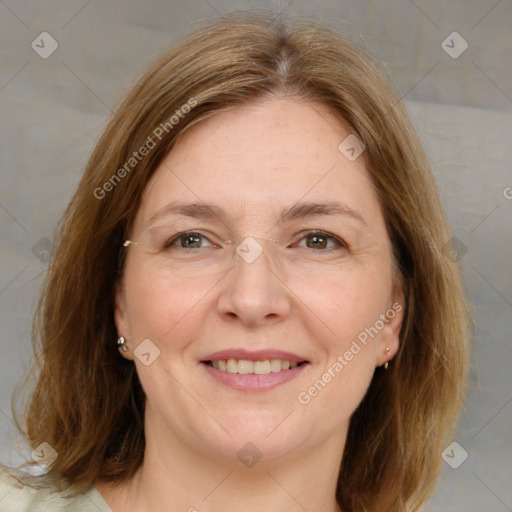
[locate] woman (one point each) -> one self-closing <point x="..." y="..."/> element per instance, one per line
<point x="250" y="307"/>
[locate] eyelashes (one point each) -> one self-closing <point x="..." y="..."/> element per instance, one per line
<point x="320" y="241"/>
<point x="191" y="235"/>
<point x="318" y="236"/>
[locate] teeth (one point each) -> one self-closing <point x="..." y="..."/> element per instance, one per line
<point x="275" y="365"/>
<point x="262" y="367"/>
<point x="246" y="367"/>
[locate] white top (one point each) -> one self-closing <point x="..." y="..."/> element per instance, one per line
<point x="21" y="492"/>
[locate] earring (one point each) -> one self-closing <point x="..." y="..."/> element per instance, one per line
<point x="386" y="364"/>
<point x="121" y="344"/>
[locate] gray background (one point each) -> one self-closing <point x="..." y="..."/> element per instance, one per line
<point x="53" y="110"/>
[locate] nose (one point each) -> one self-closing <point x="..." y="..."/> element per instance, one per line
<point x="254" y="292"/>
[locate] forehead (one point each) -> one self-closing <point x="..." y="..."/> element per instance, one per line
<point x="278" y="131"/>
<point x="254" y="159"/>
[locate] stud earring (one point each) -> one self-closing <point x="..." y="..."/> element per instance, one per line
<point x="121" y="343"/>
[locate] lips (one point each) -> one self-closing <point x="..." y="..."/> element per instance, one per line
<point x="254" y="371"/>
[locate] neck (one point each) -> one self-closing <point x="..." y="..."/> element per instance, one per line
<point x="176" y="476"/>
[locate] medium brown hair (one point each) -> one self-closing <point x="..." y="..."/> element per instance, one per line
<point x="88" y="402"/>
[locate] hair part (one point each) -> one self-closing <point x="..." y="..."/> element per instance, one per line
<point x="88" y="402"/>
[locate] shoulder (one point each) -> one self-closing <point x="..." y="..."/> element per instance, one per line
<point x="23" y="492"/>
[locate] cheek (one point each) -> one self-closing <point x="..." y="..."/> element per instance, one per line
<point x="346" y="303"/>
<point x="341" y="329"/>
<point x="348" y="312"/>
<point x="158" y="302"/>
<point x="335" y="395"/>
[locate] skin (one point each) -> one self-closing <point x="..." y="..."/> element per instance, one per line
<point x="253" y="161"/>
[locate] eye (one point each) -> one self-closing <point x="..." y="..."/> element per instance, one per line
<point x="187" y="240"/>
<point x="320" y="240"/>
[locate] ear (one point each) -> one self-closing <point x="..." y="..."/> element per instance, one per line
<point x="390" y="335"/>
<point x="121" y="318"/>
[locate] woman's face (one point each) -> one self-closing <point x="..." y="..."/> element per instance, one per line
<point x="272" y="338"/>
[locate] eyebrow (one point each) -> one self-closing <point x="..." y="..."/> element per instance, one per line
<point x="299" y="211"/>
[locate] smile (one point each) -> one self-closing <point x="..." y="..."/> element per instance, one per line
<point x="253" y="371"/>
<point x="247" y="367"/>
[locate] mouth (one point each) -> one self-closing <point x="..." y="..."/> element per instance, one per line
<point x="248" y="367"/>
<point x="256" y="371"/>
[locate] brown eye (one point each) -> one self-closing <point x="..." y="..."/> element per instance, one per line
<point x="319" y="240"/>
<point x="314" y="241"/>
<point x="189" y="240"/>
